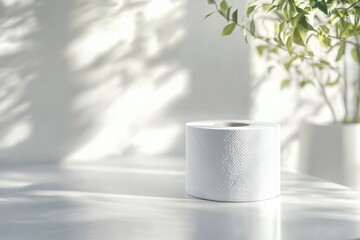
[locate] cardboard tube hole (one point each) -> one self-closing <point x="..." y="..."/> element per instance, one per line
<point x="231" y="124"/>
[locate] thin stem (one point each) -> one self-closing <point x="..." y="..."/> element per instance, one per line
<point x="345" y="41"/>
<point x="347" y="8"/>
<point x="328" y="103"/>
<point x="357" y="97"/>
<point x="325" y="96"/>
<point x="353" y="5"/>
<point x="357" y="92"/>
<point x="345" y="96"/>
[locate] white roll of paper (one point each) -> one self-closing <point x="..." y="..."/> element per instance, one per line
<point x="233" y="161"/>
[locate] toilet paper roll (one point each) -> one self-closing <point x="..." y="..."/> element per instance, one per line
<point x="233" y="161"/>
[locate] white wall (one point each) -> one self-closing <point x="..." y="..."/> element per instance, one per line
<point x="88" y="79"/>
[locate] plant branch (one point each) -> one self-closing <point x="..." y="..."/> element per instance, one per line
<point x="264" y="39"/>
<point x="345" y="41"/>
<point x="243" y="27"/>
<point x="325" y="96"/>
<point x="296" y="48"/>
<point x="345" y="96"/>
<point x="357" y="92"/>
<point x="352" y="5"/>
<point x="347" y="8"/>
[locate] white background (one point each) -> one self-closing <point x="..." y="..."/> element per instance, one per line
<point x="83" y="80"/>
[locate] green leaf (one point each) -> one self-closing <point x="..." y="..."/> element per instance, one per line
<point x="325" y="29"/>
<point x="228" y="14"/>
<point x="322" y="7"/>
<point x="271" y="8"/>
<point x="224" y="5"/>
<point x="288" y="65"/>
<point x="224" y="8"/>
<point x="260" y="49"/>
<point x="276" y="28"/>
<point x="291" y="3"/>
<point x="341" y="24"/>
<point x="320" y="66"/>
<point x="355" y="54"/>
<point x="305" y="23"/>
<point x="341" y="51"/>
<point x="302" y="57"/>
<point x="324" y="41"/>
<point x="284" y="83"/>
<point x="330" y="83"/>
<point x="275" y="50"/>
<point x="289" y="9"/>
<point x="357" y="14"/>
<point x="281" y="29"/>
<point x="298" y="36"/>
<point x="211" y="1"/>
<point x="305" y="82"/>
<point x="235" y="16"/>
<point x="290" y="62"/>
<point x="281" y="3"/>
<point x="296" y="19"/>
<point x="209" y="14"/>
<point x="252" y="27"/>
<point x="340" y="12"/>
<point x="349" y="30"/>
<point x="249" y="10"/>
<point x="264" y="7"/>
<point x="289" y="44"/>
<point x="312" y="3"/>
<point x="333" y="20"/>
<point x="228" y="29"/>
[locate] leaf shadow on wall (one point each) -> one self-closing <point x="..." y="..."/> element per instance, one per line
<point x="37" y="123"/>
<point x="219" y="71"/>
<point x="126" y="96"/>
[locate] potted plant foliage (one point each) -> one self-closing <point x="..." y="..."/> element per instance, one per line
<point x="314" y="42"/>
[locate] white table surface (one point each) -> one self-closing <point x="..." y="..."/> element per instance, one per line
<point x="144" y="198"/>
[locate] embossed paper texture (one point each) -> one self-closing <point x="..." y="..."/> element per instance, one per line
<point x="235" y="164"/>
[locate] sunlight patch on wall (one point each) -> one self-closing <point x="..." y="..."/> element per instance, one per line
<point x="17" y="23"/>
<point x="14" y="31"/>
<point x="118" y="58"/>
<point x="100" y="37"/>
<point x="12" y="108"/>
<point x="127" y="124"/>
<point x="18" y="3"/>
<point x="158" y="10"/>
<point x="160" y="14"/>
<point x="16" y="134"/>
